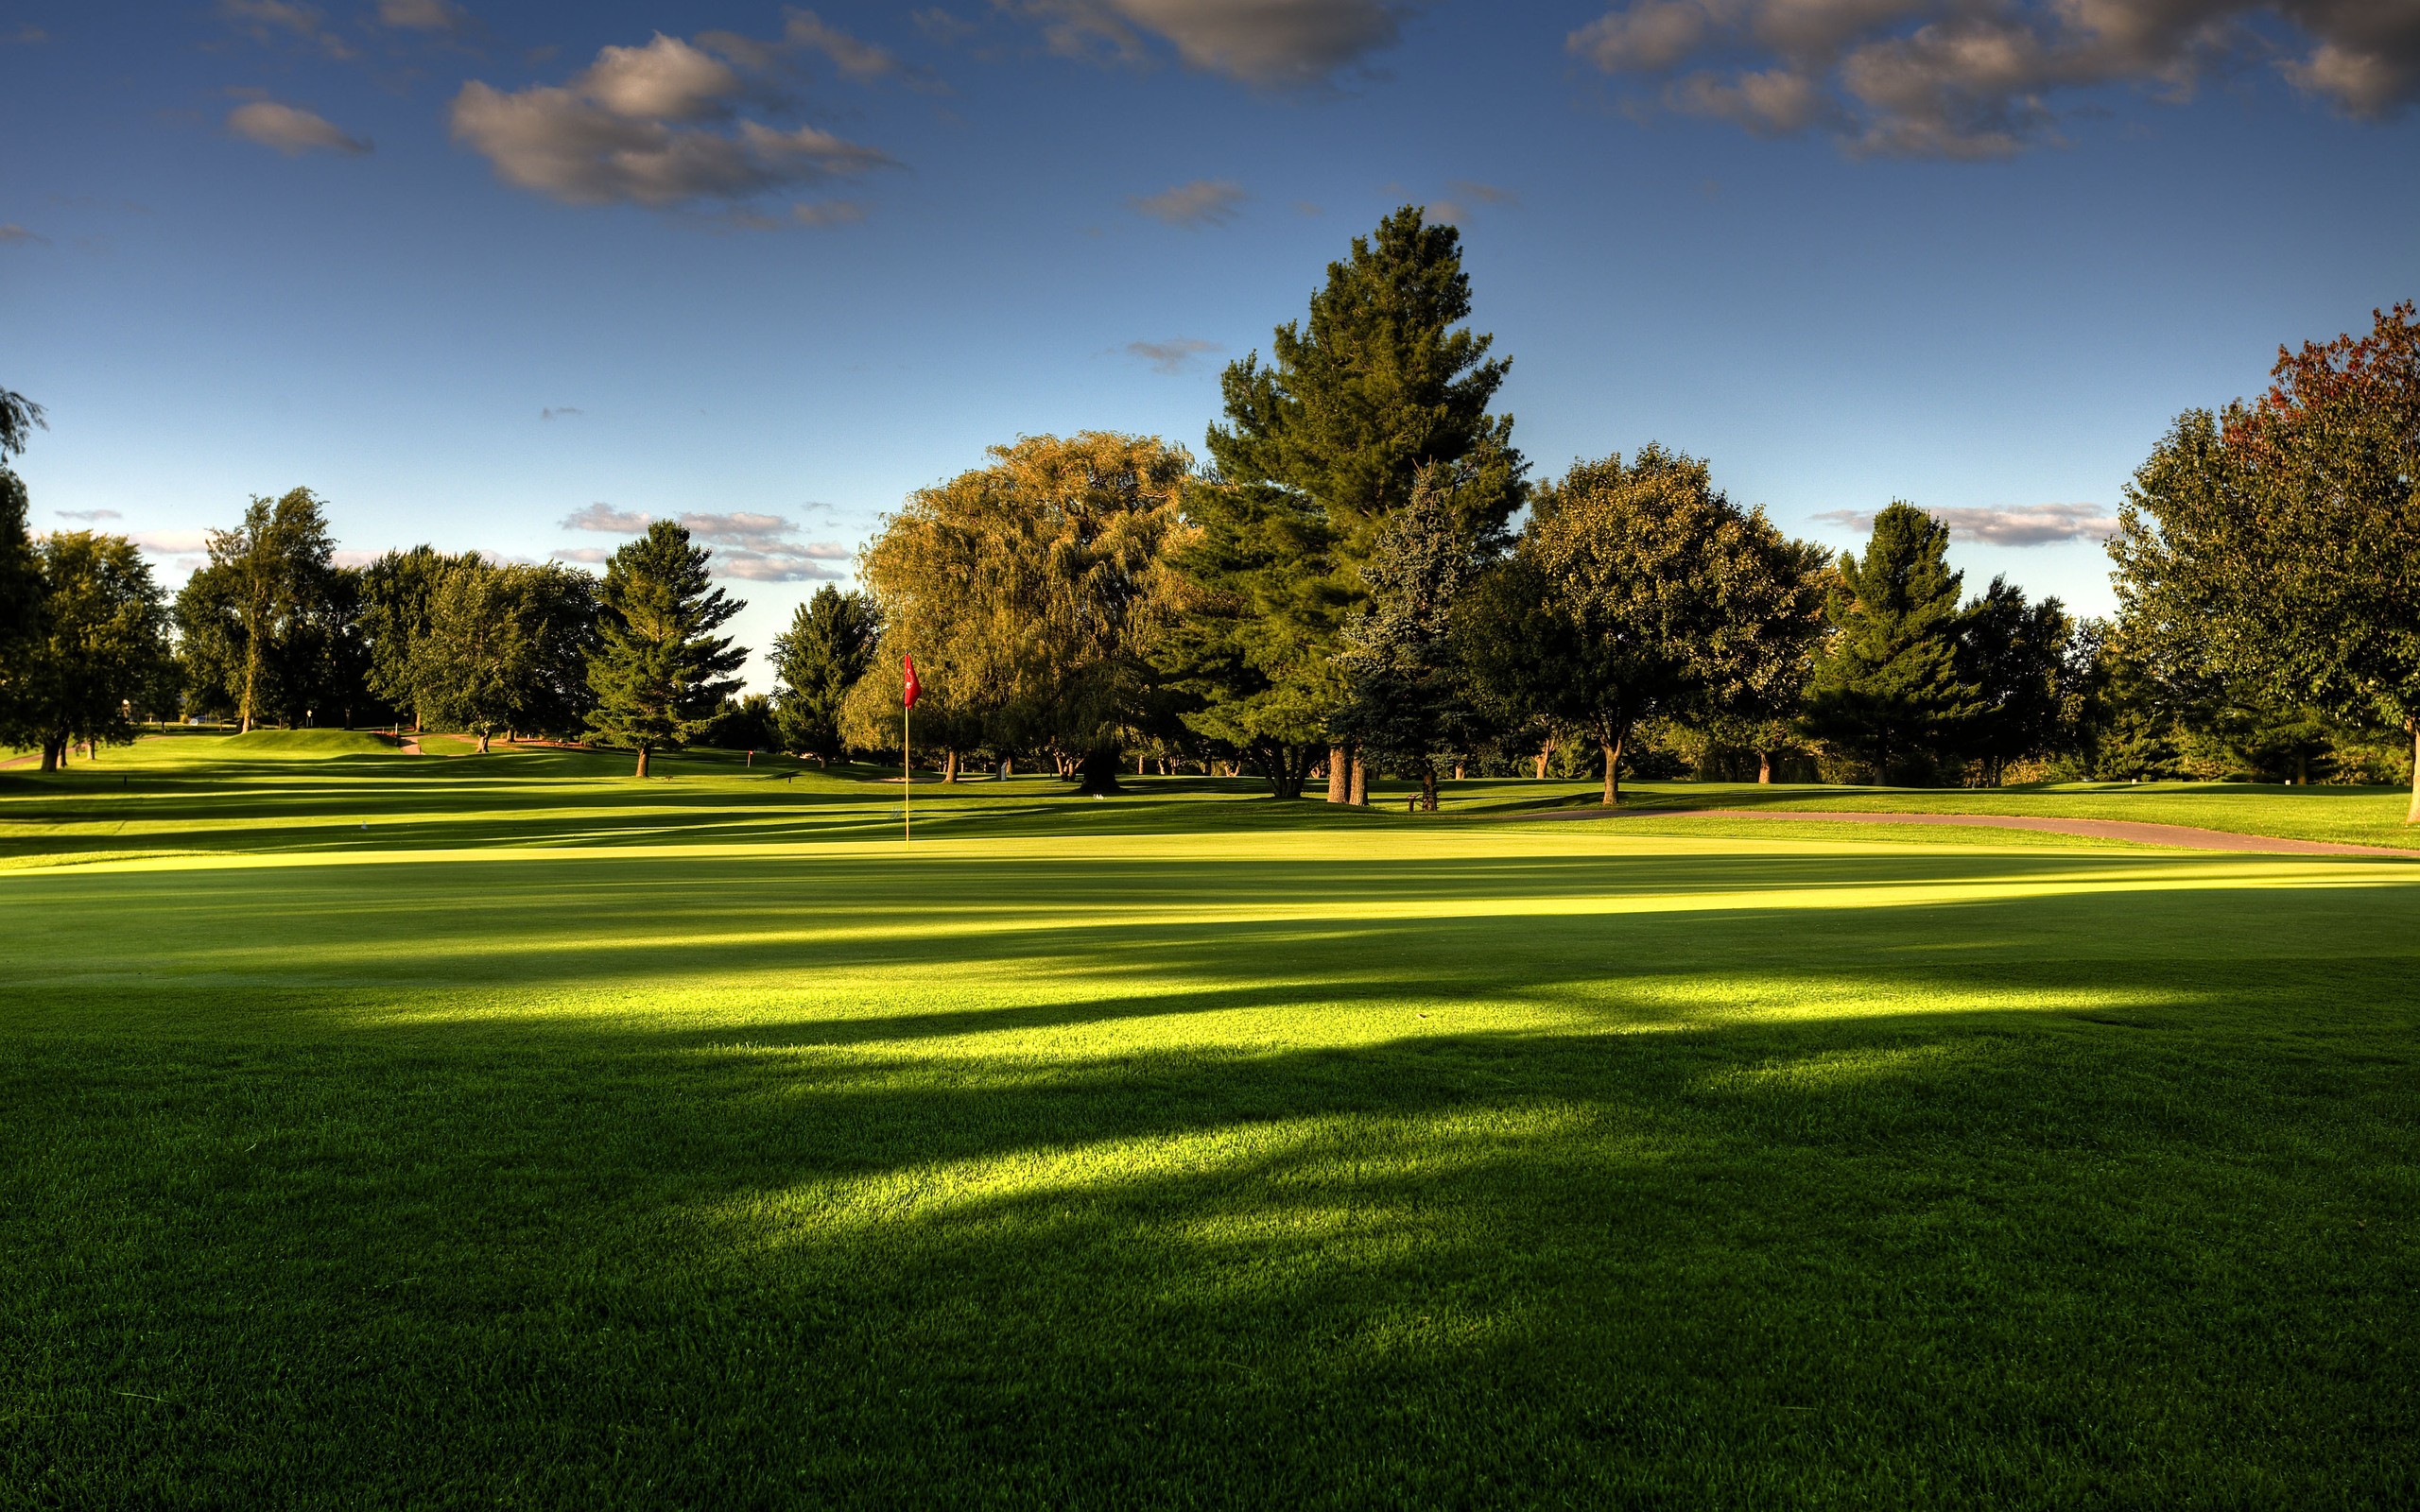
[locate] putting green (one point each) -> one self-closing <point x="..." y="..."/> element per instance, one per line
<point x="560" y="1139"/>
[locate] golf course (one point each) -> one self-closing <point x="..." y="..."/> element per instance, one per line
<point x="435" y="1129"/>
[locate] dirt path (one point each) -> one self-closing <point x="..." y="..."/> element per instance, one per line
<point x="2183" y="836"/>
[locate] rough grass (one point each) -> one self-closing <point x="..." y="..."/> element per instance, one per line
<point x="562" y="1139"/>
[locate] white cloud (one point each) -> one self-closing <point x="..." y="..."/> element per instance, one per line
<point x="1174" y="355"/>
<point x="2029" y="524"/>
<point x="759" y="547"/>
<point x="291" y="130"/>
<point x="655" y="125"/>
<point x="1269" y="43"/>
<point x="172" y="543"/>
<point x="608" y="518"/>
<point x="559" y="410"/>
<point x="1986" y="79"/>
<point x="88" y="516"/>
<point x="1202" y="202"/>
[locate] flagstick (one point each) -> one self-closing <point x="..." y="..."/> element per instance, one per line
<point x="907" y="779"/>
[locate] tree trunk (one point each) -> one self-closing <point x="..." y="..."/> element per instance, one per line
<point x="1097" y="776"/>
<point x="1340" y="775"/>
<point x="1764" y="767"/>
<point x="483" y="746"/>
<point x="2302" y="768"/>
<point x="1460" y="769"/>
<point x="251" y="665"/>
<point x="1613" y="769"/>
<point x="2412" y="815"/>
<point x="1360" y="796"/>
<point x="1545" y="752"/>
<point x="949" y="763"/>
<point x="1429" y="786"/>
<point x="642" y="755"/>
<point x="1139" y="759"/>
<point x="52" y="753"/>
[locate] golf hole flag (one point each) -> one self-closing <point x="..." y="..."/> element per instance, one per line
<point x="909" y="690"/>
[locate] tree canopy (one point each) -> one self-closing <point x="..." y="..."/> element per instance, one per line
<point x="1888" y="688"/>
<point x="1030" y="593"/>
<point x="828" y="646"/>
<point x="2279" y="543"/>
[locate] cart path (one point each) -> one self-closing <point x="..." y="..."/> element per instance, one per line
<point x="2183" y="836"/>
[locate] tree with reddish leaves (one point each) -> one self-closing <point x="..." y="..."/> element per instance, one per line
<point x="2278" y="543"/>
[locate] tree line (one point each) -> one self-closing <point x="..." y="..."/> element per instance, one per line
<point x="1363" y="576"/>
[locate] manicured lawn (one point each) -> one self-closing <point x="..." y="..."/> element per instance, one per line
<point x="563" y="1139"/>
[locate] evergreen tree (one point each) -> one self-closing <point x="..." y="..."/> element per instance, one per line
<point x="20" y="590"/>
<point x="2017" y="656"/>
<point x="1888" y="689"/>
<point x="816" y="662"/>
<point x="1320" y="446"/>
<point x="659" y="672"/>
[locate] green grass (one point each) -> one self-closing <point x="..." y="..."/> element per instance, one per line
<point x="565" y="1140"/>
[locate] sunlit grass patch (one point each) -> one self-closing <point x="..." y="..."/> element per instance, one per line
<point x="567" y="1140"/>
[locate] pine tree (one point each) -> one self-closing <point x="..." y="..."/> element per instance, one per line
<point x="21" y="589"/>
<point x="1888" y="689"/>
<point x="826" y="649"/>
<point x="1320" y="448"/>
<point x="659" y="672"/>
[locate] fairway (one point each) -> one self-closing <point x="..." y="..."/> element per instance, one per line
<point x="385" y="1129"/>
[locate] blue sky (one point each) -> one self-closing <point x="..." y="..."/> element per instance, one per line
<point x="472" y="275"/>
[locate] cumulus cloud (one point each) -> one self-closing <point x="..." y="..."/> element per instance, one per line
<point x="584" y="556"/>
<point x="2030" y="525"/>
<point x="1202" y="202"/>
<point x="760" y="547"/>
<point x="12" y="234"/>
<point x="1267" y="43"/>
<point x="1986" y="79"/>
<point x="1172" y="356"/>
<point x="291" y="130"/>
<point x="657" y="125"/>
<point x="88" y="516"/>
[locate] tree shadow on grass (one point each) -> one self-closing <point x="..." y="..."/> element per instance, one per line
<point x="2001" y="1198"/>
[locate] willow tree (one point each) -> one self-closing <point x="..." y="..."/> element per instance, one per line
<point x="1031" y="591"/>
<point x="2276" y="543"/>
<point x="1637" y="589"/>
<point x="1320" y="448"/>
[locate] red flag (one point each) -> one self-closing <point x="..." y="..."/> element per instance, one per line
<point x="907" y="696"/>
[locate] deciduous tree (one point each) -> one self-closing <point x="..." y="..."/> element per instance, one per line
<point x="256" y="622"/>
<point x="1030" y="591"/>
<point x="2281" y="540"/>
<point x="1638" y="591"/>
<point x="102" y="652"/>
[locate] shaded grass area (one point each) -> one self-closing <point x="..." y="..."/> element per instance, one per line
<point x="563" y="1142"/>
